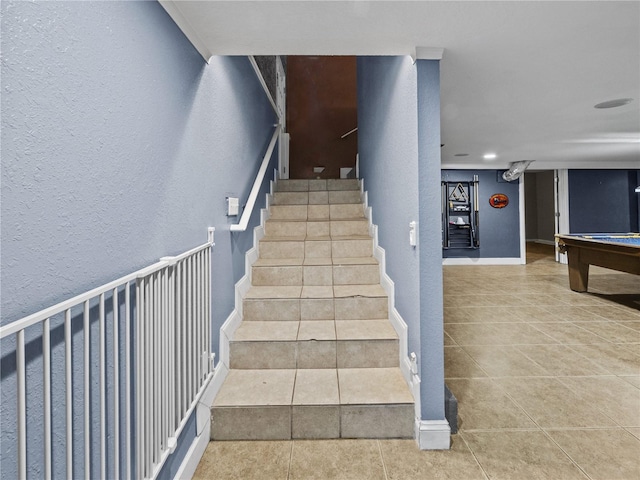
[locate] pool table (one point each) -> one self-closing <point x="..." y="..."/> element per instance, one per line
<point x="610" y="250"/>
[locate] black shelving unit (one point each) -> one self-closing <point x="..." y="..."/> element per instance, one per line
<point x="460" y="220"/>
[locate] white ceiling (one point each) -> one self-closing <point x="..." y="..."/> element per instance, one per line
<point x="518" y="78"/>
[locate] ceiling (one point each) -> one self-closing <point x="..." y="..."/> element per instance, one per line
<point x="518" y="78"/>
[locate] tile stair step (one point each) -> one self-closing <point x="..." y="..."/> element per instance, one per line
<point x="314" y="344"/>
<point x="315" y="307"/>
<point x="319" y="247"/>
<point x="295" y="185"/>
<point x="278" y="229"/>
<point x="290" y="275"/>
<point x="317" y="197"/>
<point x="282" y="404"/>
<point x="345" y="211"/>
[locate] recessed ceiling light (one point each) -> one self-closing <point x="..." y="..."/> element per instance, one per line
<point x="489" y="156"/>
<point x="461" y="155"/>
<point x="618" y="102"/>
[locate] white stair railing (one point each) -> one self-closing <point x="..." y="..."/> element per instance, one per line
<point x="141" y="344"/>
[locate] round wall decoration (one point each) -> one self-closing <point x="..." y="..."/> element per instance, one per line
<point x="498" y="200"/>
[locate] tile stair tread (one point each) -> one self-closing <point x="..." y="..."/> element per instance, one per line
<point x="344" y="291"/>
<point x="320" y="330"/>
<point x="273" y="292"/>
<point x="303" y="238"/>
<point x="279" y="262"/>
<point x="277" y="387"/>
<point x="294" y="262"/>
<point x="312" y="291"/>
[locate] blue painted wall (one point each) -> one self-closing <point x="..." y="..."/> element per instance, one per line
<point x="397" y="131"/>
<point x="603" y="201"/>
<point x="499" y="229"/>
<point x="431" y="288"/>
<point x="388" y="152"/>
<point x="119" y="146"/>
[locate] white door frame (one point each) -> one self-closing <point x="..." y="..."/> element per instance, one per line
<point x="561" y="201"/>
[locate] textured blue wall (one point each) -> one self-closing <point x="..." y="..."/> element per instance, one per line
<point x="499" y="229"/>
<point x="388" y="152"/>
<point x="603" y="201"/>
<point x="430" y="234"/>
<point x="398" y="144"/>
<point x="119" y="146"/>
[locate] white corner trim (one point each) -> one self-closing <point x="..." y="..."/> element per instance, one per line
<point x="173" y="9"/>
<point x="433" y="434"/>
<point x="482" y="261"/>
<point x="521" y="215"/>
<point x="429" y="53"/>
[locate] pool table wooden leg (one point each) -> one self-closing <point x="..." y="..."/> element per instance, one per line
<point x="578" y="273"/>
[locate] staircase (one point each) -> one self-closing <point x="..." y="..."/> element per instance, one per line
<point x="315" y="355"/>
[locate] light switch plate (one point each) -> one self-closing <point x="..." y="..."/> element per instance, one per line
<point x="233" y="206"/>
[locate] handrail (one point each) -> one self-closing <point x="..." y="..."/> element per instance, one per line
<point x="253" y="196"/>
<point x="37" y="317"/>
<point x="349" y="133"/>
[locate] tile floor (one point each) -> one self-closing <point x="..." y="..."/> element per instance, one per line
<point x="547" y="381"/>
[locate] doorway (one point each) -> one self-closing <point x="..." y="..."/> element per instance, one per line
<point x="540" y="213"/>
<point x="322" y="114"/>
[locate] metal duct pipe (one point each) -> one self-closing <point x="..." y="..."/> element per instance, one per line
<point x="516" y="169"/>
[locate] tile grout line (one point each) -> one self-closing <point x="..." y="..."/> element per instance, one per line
<point x="486" y="475"/>
<point x="290" y="460"/>
<point x="384" y="466"/>
<point x="544" y="432"/>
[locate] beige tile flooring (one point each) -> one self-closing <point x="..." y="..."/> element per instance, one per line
<point x="547" y="380"/>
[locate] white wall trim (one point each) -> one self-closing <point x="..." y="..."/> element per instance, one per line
<point x="433" y="434"/>
<point x="482" y="261"/>
<point x="522" y="223"/>
<point x="562" y="192"/>
<point x="398" y="323"/>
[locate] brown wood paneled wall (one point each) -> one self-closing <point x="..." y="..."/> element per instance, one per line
<point x="321" y="106"/>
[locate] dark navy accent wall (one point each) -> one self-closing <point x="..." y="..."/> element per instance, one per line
<point x="603" y="201"/>
<point x="499" y="229"/>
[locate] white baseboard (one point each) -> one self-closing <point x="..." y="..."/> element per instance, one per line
<point x="433" y="434"/>
<point x="203" y="426"/>
<point x="482" y="261"/>
<point x="542" y="241"/>
<point x="194" y="455"/>
<point x="398" y="323"/>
